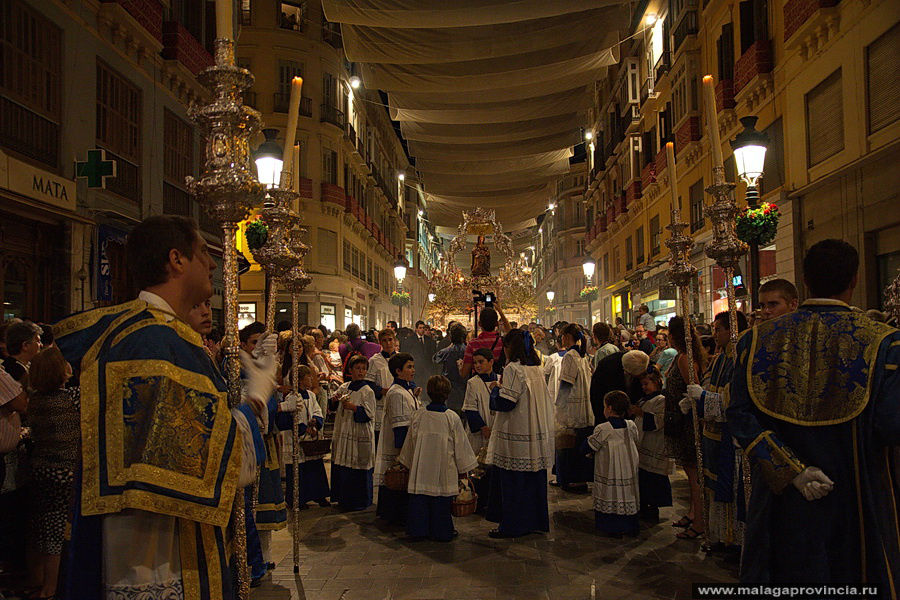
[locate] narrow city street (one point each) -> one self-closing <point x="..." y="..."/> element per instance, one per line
<point x="354" y="556"/>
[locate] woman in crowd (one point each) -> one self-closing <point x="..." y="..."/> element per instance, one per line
<point x="663" y="355"/>
<point x="679" y="429"/>
<point x="521" y="442"/>
<point x="53" y="413"/>
<point x="602" y="336"/>
<point x="448" y="359"/>
<point x="574" y="417"/>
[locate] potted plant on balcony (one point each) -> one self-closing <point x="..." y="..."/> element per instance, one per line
<point x="758" y="224"/>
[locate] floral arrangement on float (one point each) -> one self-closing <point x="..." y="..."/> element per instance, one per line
<point x="590" y="292"/>
<point x="256" y="232"/>
<point x="400" y="298"/>
<point x="758" y="225"/>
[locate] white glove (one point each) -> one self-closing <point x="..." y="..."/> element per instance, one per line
<point x="813" y="483"/>
<point x="694" y="391"/>
<point x="266" y="346"/>
<point x="290" y="403"/>
<point x="260" y="376"/>
<point x="686" y="405"/>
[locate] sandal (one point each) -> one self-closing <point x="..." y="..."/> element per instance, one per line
<point x="683" y="522"/>
<point x="689" y="534"/>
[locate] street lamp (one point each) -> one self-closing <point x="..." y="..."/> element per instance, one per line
<point x="400" y="275"/>
<point x="355" y="81"/>
<point x="588" y="267"/>
<point x="749" y="149"/>
<point x="268" y="159"/>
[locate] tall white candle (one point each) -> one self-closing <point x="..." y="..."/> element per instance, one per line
<point x="225" y="19"/>
<point x="293" y="115"/>
<point x="712" y="121"/>
<point x="673" y="181"/>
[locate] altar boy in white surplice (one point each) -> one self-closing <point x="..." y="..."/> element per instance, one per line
<point x="614" y="443"/>
<point x="437" y="454"/>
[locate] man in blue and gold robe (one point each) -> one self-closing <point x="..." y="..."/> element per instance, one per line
<point x="162" y="454"/>
<point x="815" y="402"/>
<point x="722" y="471"/>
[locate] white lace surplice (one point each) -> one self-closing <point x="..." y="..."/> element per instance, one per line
<point x="436" y="451"/>
<point x="478" y="398"/>
<point x="576" y="411"/>
<point x="399" y="406"/>
<point x="522" y="439"/>
<point x="615" y="468"/>
<point x="353" y="444"/>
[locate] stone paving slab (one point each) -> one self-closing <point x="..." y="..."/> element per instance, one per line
<point x="350" y="556"/>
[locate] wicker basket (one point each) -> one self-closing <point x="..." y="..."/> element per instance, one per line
<point x="565" y="438"/>
<point x="317" y="447"/>
<point x="464" y="509"/>
<point x="397" y="479"/>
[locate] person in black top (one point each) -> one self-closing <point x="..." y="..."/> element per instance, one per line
<point x="620" y="371"/>
<point x="23" y="342"/>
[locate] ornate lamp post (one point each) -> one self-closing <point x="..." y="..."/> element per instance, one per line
<point x="588" y="266"/>
<point x="268" y="159"/>
<point x="227" y="190"/>
<point x="400" y="275"/>
<point x="749" y="149"/>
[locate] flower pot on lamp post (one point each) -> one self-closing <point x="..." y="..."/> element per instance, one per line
<point x="749" y="149"/>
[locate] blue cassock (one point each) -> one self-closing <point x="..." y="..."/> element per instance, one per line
<point x="157" y="436"/>
<point x="820" y="387"/>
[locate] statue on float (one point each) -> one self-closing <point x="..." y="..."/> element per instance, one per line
<point x="481" y="259"/>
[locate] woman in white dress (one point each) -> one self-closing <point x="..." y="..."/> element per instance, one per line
<point x="616" y="460"/>
<point x="521" y="442"/>
<point x="400" y="402"/>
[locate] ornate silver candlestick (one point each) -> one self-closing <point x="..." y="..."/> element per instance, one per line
<point x="681" y="273"/>
<point x="295" y="281"/>
<point x="227" y="190"/>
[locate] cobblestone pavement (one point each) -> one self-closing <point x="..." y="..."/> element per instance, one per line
<point x="352" y="556"/>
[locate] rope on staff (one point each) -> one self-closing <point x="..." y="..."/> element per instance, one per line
<point x="295" y="431"/>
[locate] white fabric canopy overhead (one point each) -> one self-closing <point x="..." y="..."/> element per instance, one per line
<point x="491" y="95"/>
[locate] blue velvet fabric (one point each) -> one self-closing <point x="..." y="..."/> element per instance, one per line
<point x="392" y="505"/>
<point x="518" y="501"/>
<point x="429" y="516"/>
<point x="400" y="435"/>
<point x="574" y="465"/>
<point x="473" y="418"/>
<point x="655" y="489"/>
<point x="351" y="488"/>
<point x="436" y="407"/>
<point x="616" y="524"/>
<point x="500" y="403"/>
<point x="313" y="482"/>
<point x="254" y="546"/>
<point x="360" y="416"/>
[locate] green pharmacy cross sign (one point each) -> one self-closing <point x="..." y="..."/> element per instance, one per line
<point x="96" y="168"/>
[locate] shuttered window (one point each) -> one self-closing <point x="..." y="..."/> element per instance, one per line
<point x="327" y="248"/>
<point x="825" y="119"/>
<point x="882" y="79"/>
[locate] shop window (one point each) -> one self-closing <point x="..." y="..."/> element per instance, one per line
<point x="327" y="316"/>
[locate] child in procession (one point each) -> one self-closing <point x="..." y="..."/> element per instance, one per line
<point x="380" y="374"/>
<point x="479" y="416"/>
<point x="353" y="445"/>
<point x="313" y="479"/>
<point x="654" y="465"/>
<point x="573" y="409"/>
<point x="437" y="454"/>
<point x="400" y="402"/>
<point x="615" y="492"/>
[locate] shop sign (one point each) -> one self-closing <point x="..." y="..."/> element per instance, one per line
<point x="27" y="180"/>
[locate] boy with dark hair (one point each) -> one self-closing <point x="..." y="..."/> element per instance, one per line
<point x="436" y="453"/>
<point x="379" y="373"/>
<point x="353" y="450"/>
<point x="400" y="402"/>
<point x="479" y="416"/>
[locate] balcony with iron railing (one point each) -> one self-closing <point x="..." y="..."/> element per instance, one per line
<point x="127" y="182"/>
<point x="663" y="64"/>
<point x="647" y="91"/>
<point x="687" y="26"/>
<point x="29" y="133"/>
<point x="331" y="34"/>
<point x="332" y="114"/>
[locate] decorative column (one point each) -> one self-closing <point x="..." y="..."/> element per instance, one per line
<point x="228" y="190"/>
